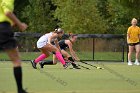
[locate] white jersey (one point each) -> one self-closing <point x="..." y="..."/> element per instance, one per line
<point x="43" y="40"/>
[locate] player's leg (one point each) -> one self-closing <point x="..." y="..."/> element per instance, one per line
<point x="45" y="54"/>
<point x="40" y="46"/>
<point x="14" y="56"/>
<point x="49" y="62"/>
<point x="54" y="59"/>
<point x="56" y="52"/>
<point x="137" y="47"/>
<point x="68" y="56"/>
<point x="40" y="58"/>
<point x="131" y="48"/>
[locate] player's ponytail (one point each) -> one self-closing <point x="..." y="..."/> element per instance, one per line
<point x="58" y="30"/>
<point x="71" y="35"/>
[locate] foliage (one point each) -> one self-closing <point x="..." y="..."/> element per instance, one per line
<point x="78" y="16"/>
<point x="38" y="15"/>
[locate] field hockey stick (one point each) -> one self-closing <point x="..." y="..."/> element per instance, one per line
<point x="84" y="67"/>
<point x="91" y="65"/>
<point x="80" y="65"/>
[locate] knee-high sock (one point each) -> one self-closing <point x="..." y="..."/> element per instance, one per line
<point x="48" y="62"/>
<point x="40" y="58"/>
<point x="18" y="78"/>
<point x="71" y="59"/>
<point x="60" y="58"/>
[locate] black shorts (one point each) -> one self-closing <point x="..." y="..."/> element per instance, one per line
<point x="63" y="48"/>
<point x="7" y="40"/>
<point x="133" y="44"/>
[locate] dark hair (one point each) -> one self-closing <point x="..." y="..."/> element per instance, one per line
<point x="58" y="30"/>
<point x="73" y="35"/>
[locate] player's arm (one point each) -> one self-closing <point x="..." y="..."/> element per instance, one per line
<point x="72" y="51"/>
<point x="139" y="33"/>
<point x="16" y="21"/>
<point x="52" y="37"/>
<point x="128" y="35"/>
<point x="8" y="7"/>
<point x="57" y="44"/>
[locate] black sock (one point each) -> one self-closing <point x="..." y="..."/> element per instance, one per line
<point x="71" y="59"/>
<point x="48" y="62"/>
<point x="18" y="78"/>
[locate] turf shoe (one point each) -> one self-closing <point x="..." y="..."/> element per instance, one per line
<point x="23" y="91"/>
<point x="33" y="64"/>
<point x="66" y="65"/>
<point x="130" y="64"/>
<point x="137" y="63"/>
<point x="41" y="64"/>
<point x="75" y="66"/>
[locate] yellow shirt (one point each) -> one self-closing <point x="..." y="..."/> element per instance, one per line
<point x="133" y="33"/>
<point x="6" y="6"/>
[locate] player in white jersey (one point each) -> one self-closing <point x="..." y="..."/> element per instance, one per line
<point x="45" y="46"/>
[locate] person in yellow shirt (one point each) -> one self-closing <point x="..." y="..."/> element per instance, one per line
<point x="7" y="41"/>
<point x="133" y="40"/>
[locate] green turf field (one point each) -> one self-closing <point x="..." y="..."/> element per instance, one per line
<point x="83" y="55"/>
<point x="115" y="78"/>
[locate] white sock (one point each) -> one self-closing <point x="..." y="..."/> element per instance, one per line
<point x="129" y="61"/>
<point x="136" y="60"/>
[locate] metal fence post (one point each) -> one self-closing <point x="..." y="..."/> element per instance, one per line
<point x="93" y="48"/>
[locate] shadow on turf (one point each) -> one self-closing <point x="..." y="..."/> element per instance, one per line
<point x="51" y="76"/>
<point x="3" y="92"/>
<point x="128" y="80"/>
<point x="25" y="89"/>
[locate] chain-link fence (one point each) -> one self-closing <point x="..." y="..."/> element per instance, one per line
<point x="90" y="47"/>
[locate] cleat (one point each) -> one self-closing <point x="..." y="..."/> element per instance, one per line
<point x="33" y="64"/>
<point x="137" y="63"/>
<point x="41" y="65"/>
<point x="23" y="91"/>
<point x="130" y="64"/>
<point x="75" y="66"/>
<point x="66" y="65"/>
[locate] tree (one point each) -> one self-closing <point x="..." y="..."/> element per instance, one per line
<point x="122" y="12"/>
<point x="132" y="7"/>
<point x="133" y="4"/>
<point x="19" y="6"/>
<point x="39" y="16"/>
<point x="103" y="8"/>
<point x="79" y="16"/>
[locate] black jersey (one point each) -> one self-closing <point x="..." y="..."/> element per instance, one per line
<point x="64" y="37"/>
<point x="63" y="45"/>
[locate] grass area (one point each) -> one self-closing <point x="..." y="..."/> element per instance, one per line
<point x="82" y="55"/>
<point x="115" y="78"/>
<point x="23" y="55"/>
<point x="101" y="55"/>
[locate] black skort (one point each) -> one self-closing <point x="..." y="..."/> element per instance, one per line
<point x="133" y="44"/>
